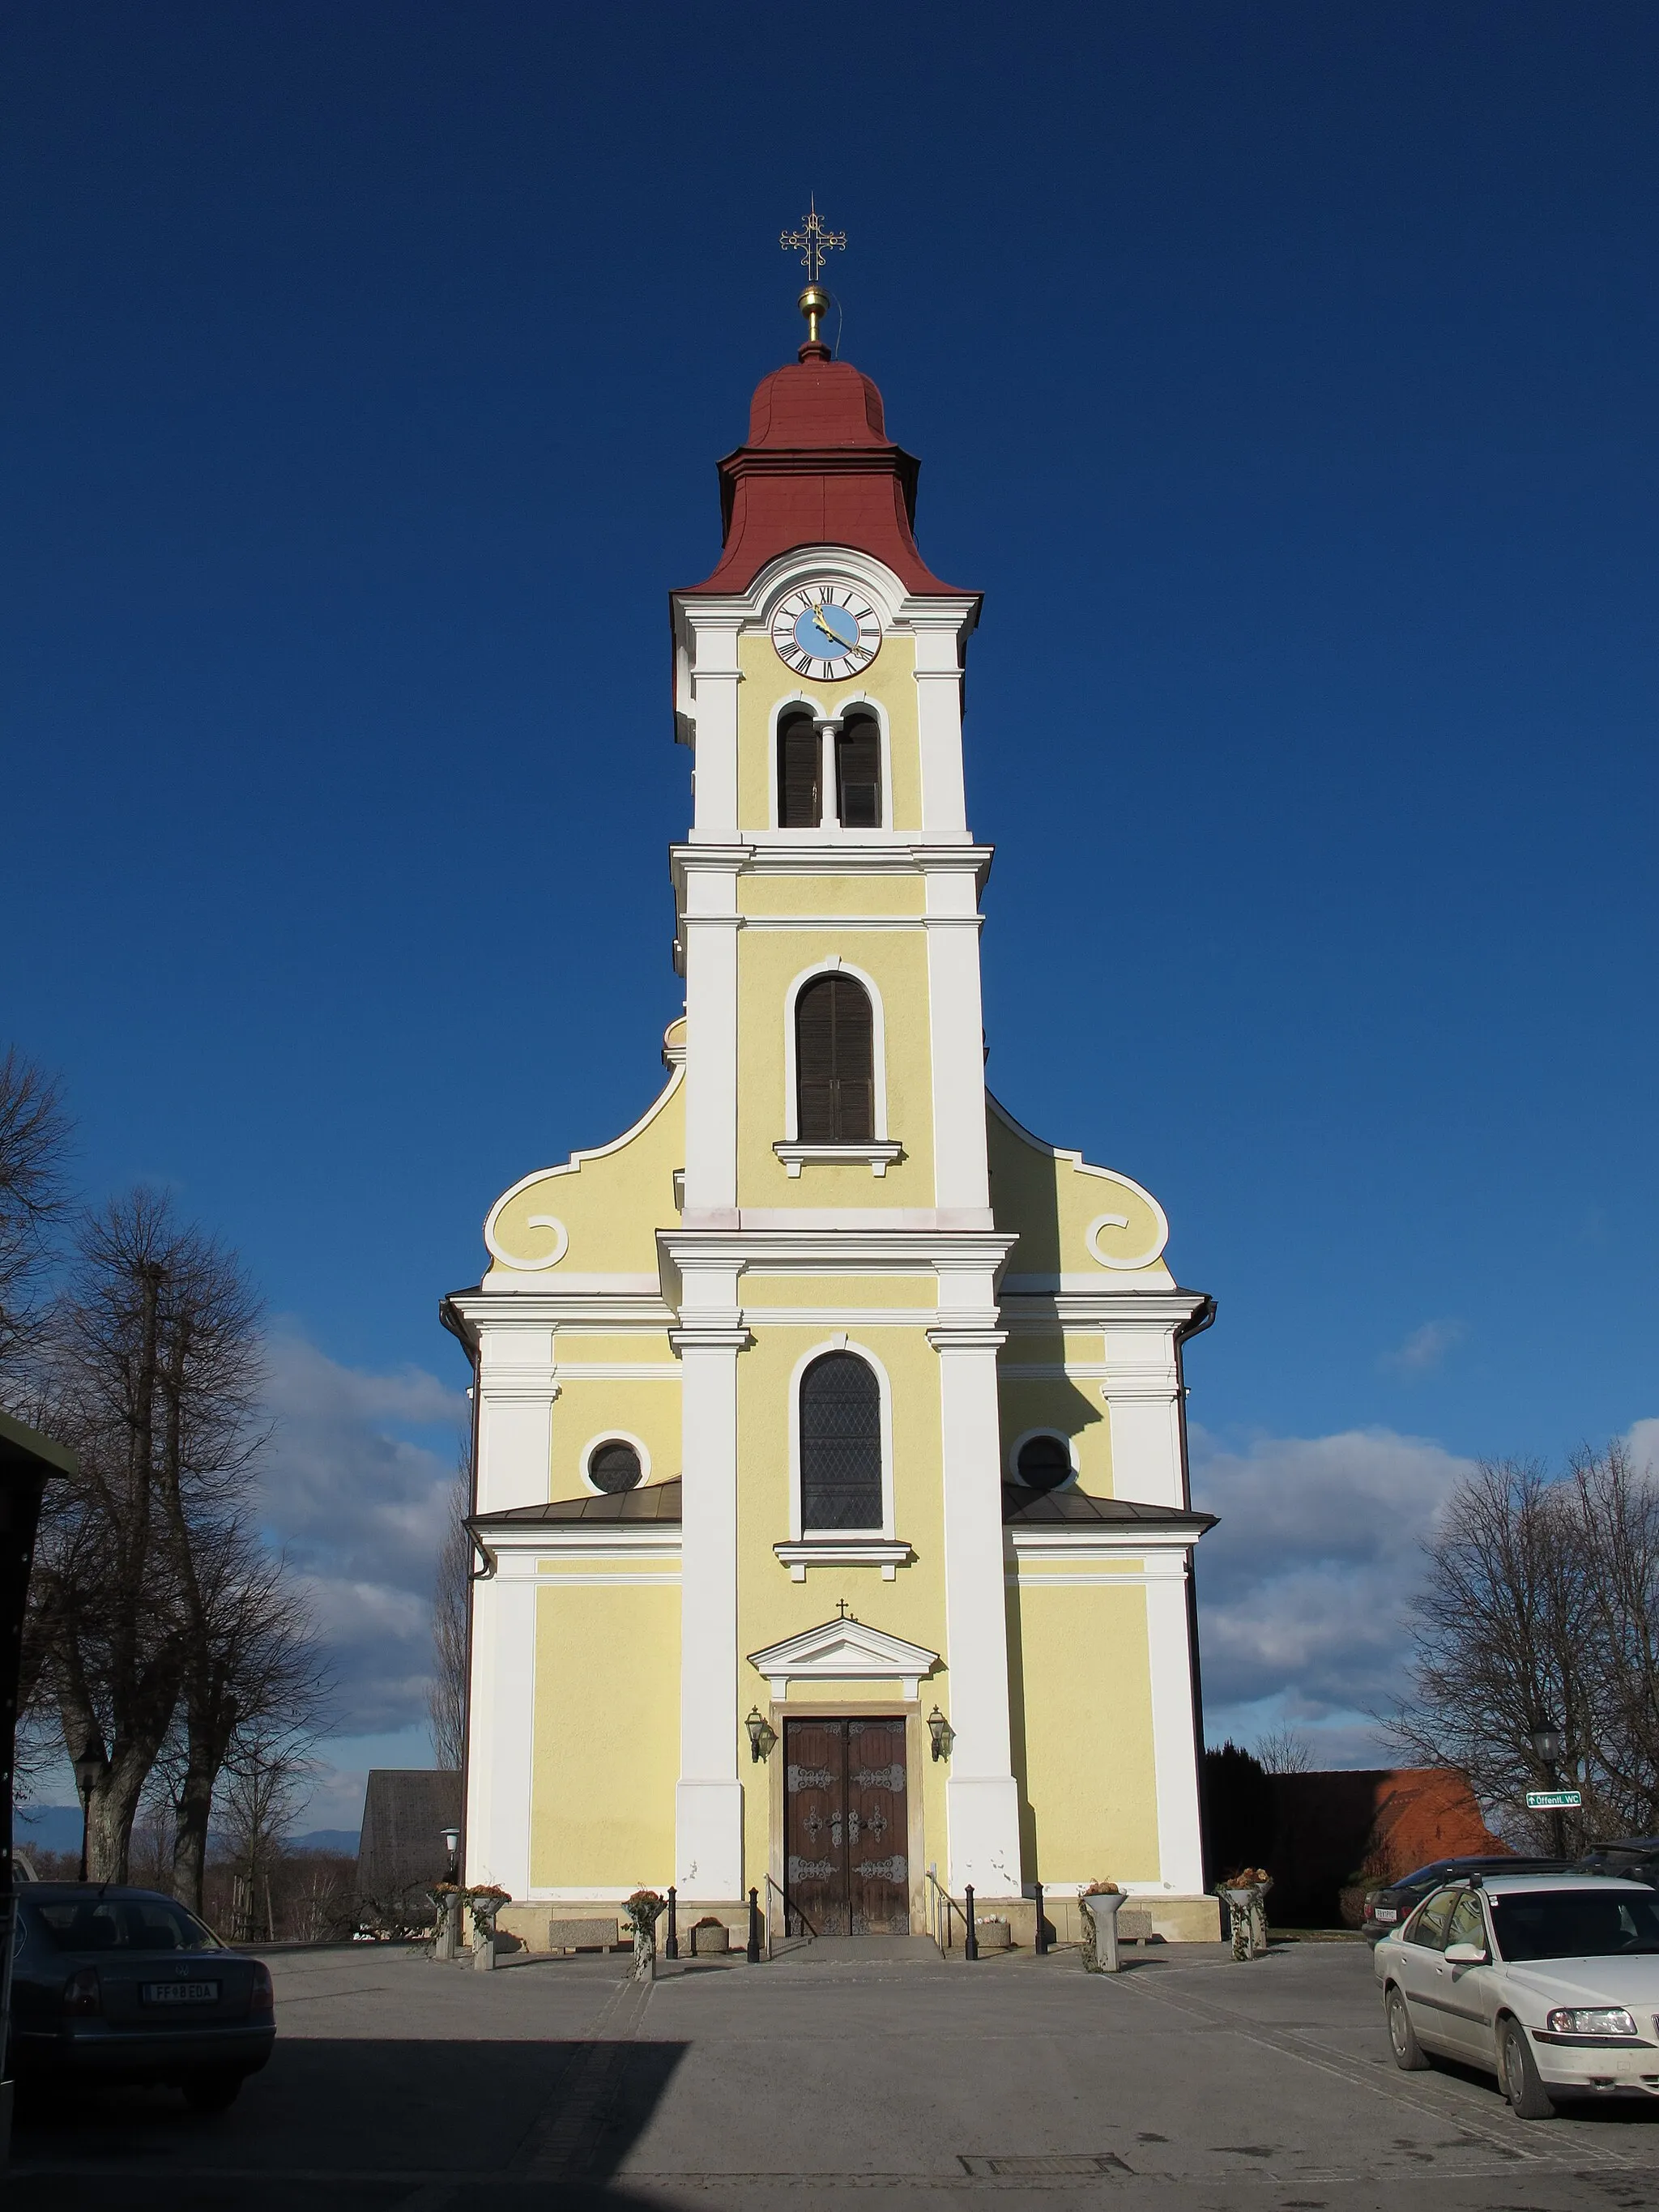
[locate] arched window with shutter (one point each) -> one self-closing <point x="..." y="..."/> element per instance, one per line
<point x="840" y="1444"/>
<point x="800" y="754"/>
<point x="834" y="1066"/>
<point x="857" y="772"/>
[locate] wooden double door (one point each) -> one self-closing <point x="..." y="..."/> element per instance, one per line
<point x="846" y="1865"/>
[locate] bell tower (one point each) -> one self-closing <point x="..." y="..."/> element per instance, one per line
<point x="828" y="931"/>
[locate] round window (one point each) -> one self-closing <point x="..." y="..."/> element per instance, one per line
<point x="1044" y="1463"/>
<point x="614" y="1466"/>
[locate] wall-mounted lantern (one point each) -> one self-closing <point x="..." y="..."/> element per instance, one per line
<point x="942" y="1733"/>
<point x="762" y="1735"/>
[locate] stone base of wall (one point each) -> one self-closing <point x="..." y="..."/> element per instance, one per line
<point x="1175" y="1919"/>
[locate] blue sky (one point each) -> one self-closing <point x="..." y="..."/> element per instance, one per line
<point x="1283" y="374"/>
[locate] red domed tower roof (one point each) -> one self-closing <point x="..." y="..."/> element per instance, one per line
<point x="819" y="469"/>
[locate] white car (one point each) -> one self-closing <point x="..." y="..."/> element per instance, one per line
<point x="1551" y="1981"/>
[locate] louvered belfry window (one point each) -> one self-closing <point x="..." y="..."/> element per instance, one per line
<point x="800" y="753"/>
<point x="840" y="1444"/>
<point x="858" y="773"/>
<point x="833" y="1064"/>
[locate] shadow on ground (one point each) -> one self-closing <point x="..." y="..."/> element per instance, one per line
<point x="337" y="2123"/>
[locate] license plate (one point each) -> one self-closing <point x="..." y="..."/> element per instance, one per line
<point x="1386" y="1913"/>
<point x="179" y="1993"/>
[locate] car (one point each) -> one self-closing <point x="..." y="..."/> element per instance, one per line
<point x="1635" y="1858"/>
<point x="1387" y="1908"/>
<point x="1548" y="1981"/>
<point x="115" y="1984"/>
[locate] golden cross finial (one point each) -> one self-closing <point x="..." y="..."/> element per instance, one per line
<point x="812" y="241"/>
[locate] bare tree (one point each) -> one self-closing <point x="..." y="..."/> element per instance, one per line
<point x="158" y="1619"/>
<point x="34" y="1139"/>
<point x="452" y="1594"/>
<point x="253" y="1671"/>
<point x="1537" y="1611"/>
<point x="268" y="1777"/>
<point x="1283" y="1751"/>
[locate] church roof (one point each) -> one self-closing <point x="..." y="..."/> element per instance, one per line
<point x="660" y="1501"/>
<point x="1027" y="1509"/>
<point x="818" y="469"/>
<point x="652" y="1501"/>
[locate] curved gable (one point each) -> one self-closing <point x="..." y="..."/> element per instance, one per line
<point x="1077" y="1225"/>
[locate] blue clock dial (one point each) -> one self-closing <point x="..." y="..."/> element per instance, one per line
<point x="824" y="630"/>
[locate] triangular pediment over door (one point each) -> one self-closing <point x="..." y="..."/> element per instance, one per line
<point x="844" y="1651"/>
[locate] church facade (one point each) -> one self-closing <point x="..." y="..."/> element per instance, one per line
<point x="831" y="1507"/>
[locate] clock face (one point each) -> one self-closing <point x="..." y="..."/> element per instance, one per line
<point x="826" y="631"/>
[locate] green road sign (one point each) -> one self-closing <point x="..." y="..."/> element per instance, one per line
<point x="1552" y="1800"/>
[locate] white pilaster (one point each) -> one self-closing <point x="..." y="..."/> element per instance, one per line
<point x="710" y="926"/>
<point x="982" y="1801"/>
<point x="955" y="1016"/>
<point x="517" y="1386"/>
<point x="1142" y="1392"/>
<point x="1175" y="1756"/>
<point x="715" y="677"/>
<point x="939" y="715"/>
<point x="709" y="1797"/>
<point x="499" y="1748"/>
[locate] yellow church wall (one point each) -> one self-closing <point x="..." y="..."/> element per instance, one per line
<point x="889" y="680"/>
<point x="770" y="1605"/>
<point x="848" y="896"/>
<point x="896" y="962"/>
<point x="646" y="1345"/>
<point x="606" y="1745"/>
<point x="585" y="1411"/>
<point x="1080" y="1675"/>
<point x="611" y="1203"/>
<point x="1071" y="1409"/>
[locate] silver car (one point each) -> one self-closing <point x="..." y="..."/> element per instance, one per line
<point x="1550" y="1982"/>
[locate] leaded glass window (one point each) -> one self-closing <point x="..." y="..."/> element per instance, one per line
<point x="840" y="1444"/>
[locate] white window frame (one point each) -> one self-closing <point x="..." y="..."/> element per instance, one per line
<point x="612" y="1436"/>
<point x="828" y="725"/>
<point x="834" y="965"/>
<point x="798" y="1533"/>
<point x="1029" y="1436"/>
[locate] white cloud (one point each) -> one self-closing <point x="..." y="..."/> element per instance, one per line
<point x="1303" y="1585"/>
<point x="355" y="1488"/>
<point x="1425" y="1348"/>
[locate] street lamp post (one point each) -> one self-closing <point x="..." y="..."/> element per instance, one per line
<point x="1549" y="1742"/>
<point x="90" y="1768"/>
<point x="450" y="1940"/>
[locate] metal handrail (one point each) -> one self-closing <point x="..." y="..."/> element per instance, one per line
<point x="940" y="1905"/>
<point x="791" y="1909"/>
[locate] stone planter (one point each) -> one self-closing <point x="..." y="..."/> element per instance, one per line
<point x="994" y="1935"/>
<point x="710" y="1938"/>
<point x="1249" y="1920"/>
<point x="1102" y="1909"/>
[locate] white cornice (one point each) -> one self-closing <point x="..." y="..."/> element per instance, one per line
<point x="838" y="1250"/>
<point x="882" y="1552"/>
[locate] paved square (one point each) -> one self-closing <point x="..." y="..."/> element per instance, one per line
<point x="837" y="2076"/>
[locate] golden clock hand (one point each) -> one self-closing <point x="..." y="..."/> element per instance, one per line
<point x="833" y="635"/>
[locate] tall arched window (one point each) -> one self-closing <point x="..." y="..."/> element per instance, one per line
<point x="835" y="1070"/>
<point x="840" y="1444"/>
<point x="857" y="772"/>
<point x="800" y="752"/>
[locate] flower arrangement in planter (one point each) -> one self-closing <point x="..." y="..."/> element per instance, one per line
<point x="483" y="1904"/>
<point x="641" y="1911"/>
<point x="1100" y="1943"/>
<point x="1241" y="1893"/>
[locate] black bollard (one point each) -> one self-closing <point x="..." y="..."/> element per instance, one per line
<point x="970" y="1945"/>
<point x="1041" y="1945"/>
<point x="752" y="1952"/>
<point x="670" y="1941"/>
